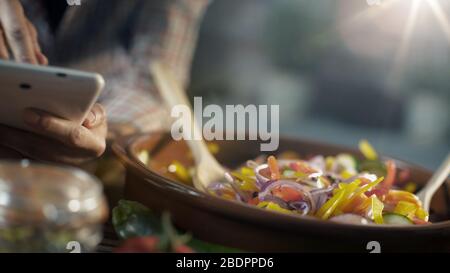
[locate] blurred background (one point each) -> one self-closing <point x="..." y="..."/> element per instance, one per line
<point x="341" y="70"/>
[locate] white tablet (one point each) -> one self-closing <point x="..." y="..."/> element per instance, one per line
<point x="65" y="93"/>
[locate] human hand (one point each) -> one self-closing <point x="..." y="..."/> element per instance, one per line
<point x="18" y="35"/>
<point x="57" y="140"/>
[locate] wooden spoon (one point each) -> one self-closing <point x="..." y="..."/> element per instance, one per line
<point x="438" y="178"/>
<point x="207" y="169"/>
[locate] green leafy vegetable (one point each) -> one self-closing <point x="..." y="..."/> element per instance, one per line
<point x="132" y="219"/>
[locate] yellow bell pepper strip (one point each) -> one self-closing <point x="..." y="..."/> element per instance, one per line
<point x="355" y="204"/>
<point x="406" y="208"/>
<point x="346" y="174"/>
<point x="276" y="207"/>
<point x="180" y="172"/>
<point x="349" y="190"/>
<point x="369" y="186"/>
<point x="377" y="209"/>
<point x="367" y="150"/>
<point x="247" y="183"/>
<point x="247" y="171"/>
<point x="213" y="148"/>
<point x="328" y="208"/>
<point x="300" y="175"/>
<point x="249" y="186"/>
<point x="362" y="208"/>
<point x="262" y="204"/>
<point x="241" y="177"/>
<point x="273" y="167"/>
<point x="395" y="196"/>
<point x="422" y="214"/>
<point x="358" y="201"/>
<point x="352" y="195"/>
<point x="411" y="187"/>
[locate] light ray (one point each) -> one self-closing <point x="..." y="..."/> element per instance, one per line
<point x="442" y="19"/>
<point x="406" y="38"/>
<point x="368" y="14"/>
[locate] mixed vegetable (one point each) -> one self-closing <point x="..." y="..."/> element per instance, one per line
<point x="338" y="188"/>
<point x="142" y="231"/>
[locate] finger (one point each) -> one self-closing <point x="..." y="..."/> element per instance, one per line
<point x="16" y="31"/>
<point x="64" y="131"/>
<point x="96" y="116"/>
<point x="3" y="46"/>
<point x="32" y="146"/>
<point x="22" y="144"/>
<point x="40" y="57"/>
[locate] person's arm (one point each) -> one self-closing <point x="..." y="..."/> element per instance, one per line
<point x="54" y="139"/>
<point x="165" y="32"/>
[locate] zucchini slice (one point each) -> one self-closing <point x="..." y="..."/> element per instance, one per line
<point x="396" y="219"/>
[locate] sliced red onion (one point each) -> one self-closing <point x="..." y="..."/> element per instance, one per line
<point x="218" y="188"/>
<point x="279" y="183"/>
<point x="310" y="200"/>
<point x="320" y="196"/>
<point x="276" y="200"/>
<point x="264" y="187"/>
<point x="243" y="196"/>
<point x="302" y="206"/>
<point x="326" y="190"/>
<point x="287" y="163"/>
<point x="320" y="200"/>
<point x="333" y="177"/>
<point x="261" y="179"/>
<point x="313" y="183"/>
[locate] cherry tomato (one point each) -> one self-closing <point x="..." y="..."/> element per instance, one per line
<point x="147" y="244"/>
<point x="183" y="249"/>
<point x="253" y="201"/>
<point x="287" y="194"/>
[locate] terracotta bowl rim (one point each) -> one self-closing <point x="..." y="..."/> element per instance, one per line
<point x="124" y="147"/>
